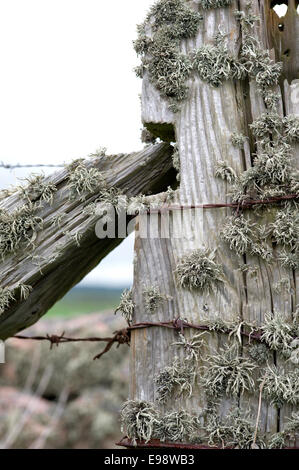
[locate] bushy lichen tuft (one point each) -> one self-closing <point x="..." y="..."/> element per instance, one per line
<point x="38" y="189"/>
<point x="178" y="426"/>
<point x="291" y="127"/>
<point x="285" y="228"/>
<point x="199" y="270"/>
<point x="17" y="227"/>
<point x="112" y="196"/>
<point x="138" y="204"/>
<point x="225" y="172"/>
<point x="289" y="435"/>
<point x="236" y="430"/>
<point x="238" y="140"/>
<point x="279" y="333"/>
<point x="255" y="59"/>
<point x="215" y="64"/>
<point x="259" y="353"/>
<point x="272" y="169"/>
<point x="6" y="297"/>
<point x="138" y="420"/>
<point x="191" y="346"/>
<point x="227" y="372"/>
<point x="84" y="181"/>
<point x="209" y="4"/>
<point x="126" y="306"/>
<point x="239" y="234"/>
<point x="170" y="21"/>
<point x="281" y="387"/>
<point x="152" y="298"/>
<point x="175" y="380"/>
<point x="289" y="260"/>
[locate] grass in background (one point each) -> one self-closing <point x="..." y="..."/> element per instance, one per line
<point x="84" y="300"/>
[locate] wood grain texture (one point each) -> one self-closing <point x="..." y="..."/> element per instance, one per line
<point x="58" y="262"/>
<point x="203" y="128"/>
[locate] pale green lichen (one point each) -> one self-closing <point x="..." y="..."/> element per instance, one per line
<point x="209" y="4"/>
<point x="112" y="197"/>
<point x="25" y="291"/>
<point x="17" y="227"/>
<point x="191" y="345"/>
<point x="126" y="306"/>
<point x="38" y="189"/>
<point x="288" y="436"/>
<point x="215" y="64"/>
<point x="171" y="21"/>
<point x="259" y="353"/>
<point x="244" y="236"/>
<point x="289" y="260"/>
<point x="99" y="153"/>
<point x="175" y="380"/>
<point x="74" y="237"/>
<point x="238" y="140"/>
<point x="291" y="127"/>
<point x="218" y="324"/>
<point x="199" y="270"/>
<point x="225" y="172"/>
<point x="227" y="372"/>
<point x="83" y="181"/>
<point x="138" y="204"/>
<point x="236" y="430"/>
<point x="281" y="387"/>
<point x="285" y="228"/>
<point x="272" y="166"/>
<point x="257" y="61"/>
<point x="138" y="420"/>
<point x="279" y="333"/>
<point x="152" y="298"/>
<point x="56" y="220"/>
<point x="271" y="99"/>
<point x="6" y="297"/>
<point x="233" y="327"/>
<point x="239" y="234"/>
<point x="178" y="426"/>
<point x="268" y="123"/>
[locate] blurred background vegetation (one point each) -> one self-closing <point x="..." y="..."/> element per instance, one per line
<point x="87" y="299"/>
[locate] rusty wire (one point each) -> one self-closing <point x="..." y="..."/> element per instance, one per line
<point x="246" y="204"/>
<point x="124" y="336"/>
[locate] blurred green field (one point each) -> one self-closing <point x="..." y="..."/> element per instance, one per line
<point x="84" y="300"/>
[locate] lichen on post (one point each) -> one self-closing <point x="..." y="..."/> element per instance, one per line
<point x="236" y="130"/>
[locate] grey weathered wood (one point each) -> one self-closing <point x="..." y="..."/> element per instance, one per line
<point x="58" y="262"/>
<point x="203" y="128"/>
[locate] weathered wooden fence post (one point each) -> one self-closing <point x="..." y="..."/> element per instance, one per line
<point x="209" y="80"/>
<point x="48" y="241"/>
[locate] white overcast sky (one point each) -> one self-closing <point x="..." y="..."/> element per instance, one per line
<point x="67" y="87"/>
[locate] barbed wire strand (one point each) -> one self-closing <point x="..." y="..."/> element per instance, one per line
<point x="8" y="166"/>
